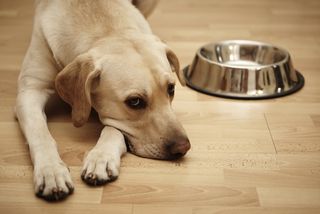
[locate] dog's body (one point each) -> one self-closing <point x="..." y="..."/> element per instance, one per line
<point x="99" y="54"/>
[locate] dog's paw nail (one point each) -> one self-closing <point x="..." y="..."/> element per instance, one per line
<point x="39" y="194"/>
<point x="41" y="188"/>
<point x="93" y="180"/>
<point x="70" y="187"/>
<point x="54" y="190"/>
<point x="90" y="175"/>
<point x="101" y="182"/>
<point x="56" y="196"/>
<point x="61" y="194"/>
<point x="112" y="177"/>
<point x="83" y="174"/>
<point x="93" y="177"/>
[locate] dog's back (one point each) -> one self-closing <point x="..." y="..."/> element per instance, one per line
<point x="84" y="22"/>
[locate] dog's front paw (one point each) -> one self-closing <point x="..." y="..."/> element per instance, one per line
<point x="53" y="181"/>
<point x="100" y="167"/>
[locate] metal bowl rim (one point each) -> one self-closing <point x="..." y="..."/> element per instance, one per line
<point x="249" y="42"/>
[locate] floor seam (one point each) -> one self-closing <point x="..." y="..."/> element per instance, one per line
<point x="274" y="145"/>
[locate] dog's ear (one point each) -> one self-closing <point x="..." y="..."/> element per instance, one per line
<point x="175" y="65"/>
<point x="74" y="83"/>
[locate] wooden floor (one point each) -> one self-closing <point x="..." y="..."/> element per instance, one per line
<point x="247" y="156"/>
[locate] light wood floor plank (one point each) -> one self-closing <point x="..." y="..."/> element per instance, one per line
<point x="65" y="207"/>
<point x="260" y="210"/>
<point x="290" y="197"/>
<point x="294" y="132"/>
<point x="179" y="195"/>
<point x="302" y="178"/>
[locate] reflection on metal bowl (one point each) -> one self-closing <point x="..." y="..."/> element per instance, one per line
<point x="244" y="70"/>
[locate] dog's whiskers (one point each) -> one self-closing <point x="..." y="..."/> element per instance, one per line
<point x="153" y="150"/>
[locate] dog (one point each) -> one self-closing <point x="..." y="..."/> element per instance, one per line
<point x="98" y="54"/>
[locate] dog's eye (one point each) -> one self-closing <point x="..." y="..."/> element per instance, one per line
<point x="136" y="103"/>
<point x="171" y="90"/>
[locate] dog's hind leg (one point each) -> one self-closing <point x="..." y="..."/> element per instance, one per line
<point x="35" y="85"/>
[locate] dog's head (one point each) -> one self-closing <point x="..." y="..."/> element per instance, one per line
<point x="131" y="85"/>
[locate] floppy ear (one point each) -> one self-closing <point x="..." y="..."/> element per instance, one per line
<point x="73" y="84"/>
<point x="175" y="65"/>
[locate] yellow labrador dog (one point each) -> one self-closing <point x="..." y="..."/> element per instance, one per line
<point x="98" y="54"/>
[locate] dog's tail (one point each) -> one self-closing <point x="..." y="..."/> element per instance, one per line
<point x="145" y="6"/>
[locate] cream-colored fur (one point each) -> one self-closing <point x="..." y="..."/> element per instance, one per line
<point x="100" y="54"/>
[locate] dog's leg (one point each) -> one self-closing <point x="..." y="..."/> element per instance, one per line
<point x="102" y="163"/>
<point x="35" y="85"/>
<point x="51" y="176"/>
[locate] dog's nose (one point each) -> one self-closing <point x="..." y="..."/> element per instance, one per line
<point x="179" y="148"/>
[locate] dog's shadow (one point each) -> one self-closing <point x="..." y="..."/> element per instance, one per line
<point x="72" y="142"/>
<point x="59" y="118"/>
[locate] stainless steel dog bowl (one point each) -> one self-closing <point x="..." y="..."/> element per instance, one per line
<point x="243" y="69"/>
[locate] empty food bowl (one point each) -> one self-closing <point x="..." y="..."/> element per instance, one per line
<point x="244" y="70"/>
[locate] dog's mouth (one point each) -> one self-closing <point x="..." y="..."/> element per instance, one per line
<point x="148" y="152"/>
<point x="151" y="151"/>
<point x="129" y="145"/>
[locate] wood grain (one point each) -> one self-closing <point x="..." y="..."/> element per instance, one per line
<point x="247" y="156"/>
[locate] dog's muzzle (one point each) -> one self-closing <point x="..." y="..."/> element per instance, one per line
<point x="177" y="149"/>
